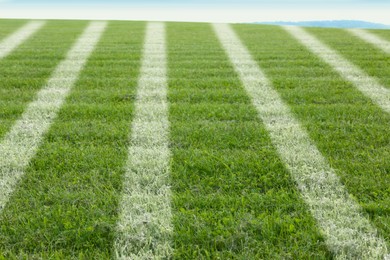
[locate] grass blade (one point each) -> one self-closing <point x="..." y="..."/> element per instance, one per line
<point x="371" y="38"/>
<point x="366" y="84"/>
<point x="347" y="232"/>
<point x="144" y="228"/>
<point x="20" y="144"/>
<point x="14" y="40"/>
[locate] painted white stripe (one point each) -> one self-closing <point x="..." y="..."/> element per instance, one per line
<point x="21" y="143"/>
<point x="366" y="84"/>
<point x="371" y="38"/>
<point x="347" y="232"/>
<point x="144" y="226"/>
<point x="14" y="40"/>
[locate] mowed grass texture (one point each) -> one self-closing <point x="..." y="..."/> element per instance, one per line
<point x="70" y="194"/>
<point x="9" y="26"/>
<point x="231" y="194"/>
<point x="27" y="69"/>
<point x="233" y="197"/>
<point x="350" y="131"/>
<point x="366" y="56"/>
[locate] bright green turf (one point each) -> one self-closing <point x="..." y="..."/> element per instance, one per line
<point x="232" y="197"/>
<point x="365" y="55"/>
<point x="384" y="34"/>
<point x="7" y="27"/>
<point x="70" y="193"/>
<point x="350" y="131"/>
<point x="27" y="69"/>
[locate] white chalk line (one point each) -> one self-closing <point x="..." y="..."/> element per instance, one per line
<point x="371" y="38"/>
<point x="144" y="226"/>
<point x="21" y="143"/>
<point x="17" y="38"/>
<point x="348" y="233"/>
<point x="369" y="86"/>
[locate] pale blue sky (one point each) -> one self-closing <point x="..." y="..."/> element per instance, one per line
<point x="200" y="10"/>
<point x="199" y="2"/>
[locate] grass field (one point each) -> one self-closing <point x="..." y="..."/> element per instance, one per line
<point x="137" y="140"/>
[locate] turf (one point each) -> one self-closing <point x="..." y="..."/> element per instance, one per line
<point x="70" y="194"/>
<point x="232" y="196"/>
<point x="349" y="130"/>
<point x="384" y="34"/>
<point x="9" y="26"/>
<point x="366" y="56"/>
<point x="27" y="69"/>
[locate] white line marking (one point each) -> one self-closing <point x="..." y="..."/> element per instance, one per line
<point x="366" y="84"/>
<point x="347" y="232"/>
<point x="371" y="38"/>
<point x="14" y="40"/>
<point x="21" y="143"/>
<point x="144" y="226"/>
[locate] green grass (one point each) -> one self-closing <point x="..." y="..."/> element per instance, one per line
<point x="232" y="196"/>
<point x="27" y="69"/>
<point x="384" y="34"/>
<point x="71" y="190"/>
<point x="367" y="57"/>
<point x="350" y="131"/>
<point x="9" y="26"/>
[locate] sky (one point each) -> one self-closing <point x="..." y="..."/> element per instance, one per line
<point x="200" y="10"/>
<point x="219" y="3"/>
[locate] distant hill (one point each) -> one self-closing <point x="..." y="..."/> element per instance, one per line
<point x="333" y="24"/>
